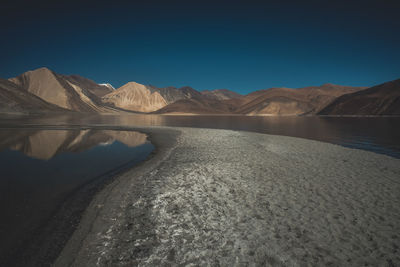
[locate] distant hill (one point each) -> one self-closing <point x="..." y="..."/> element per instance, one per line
<point x="68" y="92"/>
<point x="15" y="99"/>
<point x="172" y="94"/>
<point x="221" y="94"/>
<point x="43" y="90"/>
<point x="197" y="105"/>
<point x="205" y="102"/>
<point x="135" y="97"/>
<point x="286" y="101"/>
<point x="383" y="99"/>
<point x="273" y="101"/>
<point x="144" y="98"/>
<point x="98" y="90"/>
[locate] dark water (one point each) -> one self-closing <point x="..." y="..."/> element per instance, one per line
<point x="41" y="170"/>
<point x="377" y="134"/>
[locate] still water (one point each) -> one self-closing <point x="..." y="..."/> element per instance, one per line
<point x="41" y="170"/>
<point x="377" y="134"/>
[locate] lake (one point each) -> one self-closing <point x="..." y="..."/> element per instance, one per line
<point x="377" y="134"/>
<point x="48" y="175"/>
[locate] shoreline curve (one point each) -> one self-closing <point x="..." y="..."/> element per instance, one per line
<point x="229" y="197"/>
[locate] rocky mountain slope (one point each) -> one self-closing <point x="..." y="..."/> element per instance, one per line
<point x="221" y="94"/>
<point x="197" y="105"/>
<point x="107" y="85"/>
<point x="98" y="90"/>
<point x="172" y="94"/>
<point x="383" y="99"/>
<point x="286" y="101"/>
<point x="68" y="92"/>
<point x="273" y="101"/>
<point x="146" y="98"/>
<point x="15" y="99"/>
<point x="50" y="91"/>
<point x="135" y="97"/>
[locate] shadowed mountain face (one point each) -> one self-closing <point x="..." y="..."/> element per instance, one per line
<point x="285" y="101"/>
<point x="383" y="99"/>
<point x="69" y="92"/>
<point x="172" y="94"/>
<point x="94" y="88"/>
<point x="221" y="94"/>
<point x="274" y="101"/>
<point x="197" y="105"/>
<point x="80" y="94"/>
<point x="141" y="98"/>
<point x="15" y="99"/>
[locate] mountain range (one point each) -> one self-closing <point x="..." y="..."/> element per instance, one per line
<point x="43" y="90"/>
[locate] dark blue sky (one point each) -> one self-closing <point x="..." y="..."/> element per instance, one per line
<point x="239" y="45"/>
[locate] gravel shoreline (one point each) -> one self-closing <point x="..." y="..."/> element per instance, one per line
<point x="230" y="198"/>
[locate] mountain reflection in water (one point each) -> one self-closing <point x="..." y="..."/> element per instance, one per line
<point x="54" y="167"/>
<point x="45" y="144"/>
<point x="377" y="134"/>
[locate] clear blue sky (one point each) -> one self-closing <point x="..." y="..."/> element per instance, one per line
<point x="239" y="45"/>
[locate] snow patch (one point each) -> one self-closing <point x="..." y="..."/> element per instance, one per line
<point x="107" y="85"/>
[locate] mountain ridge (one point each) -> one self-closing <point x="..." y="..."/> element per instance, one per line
<point x="382" y="99"/>
<point x="69" y="92"/>
<point x="15" y="99"/>
<point x="80" y="94"/>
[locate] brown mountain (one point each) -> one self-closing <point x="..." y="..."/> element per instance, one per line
<point x="94" y="88"/>
<point x="286" y="101"/>
<point x="220" y="94"/>
<point x="197" y="105"/>
<point x="43" y="90"/>
<point x="15" y="99"/>
<point x="383" y="99"/>
<point x="141" y="98"/>
<point x="189" y="92"/>
<point x="73" y="92"/>
<point x="135" y="97"/>
<point x="172" y="94"/>
<point x="274" y="101"/>
<point x="68" y="92"/>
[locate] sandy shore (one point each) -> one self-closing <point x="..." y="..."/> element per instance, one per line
<point x="229" y="198"/>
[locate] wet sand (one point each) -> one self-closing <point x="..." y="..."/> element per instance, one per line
<point x="230" y="198"/>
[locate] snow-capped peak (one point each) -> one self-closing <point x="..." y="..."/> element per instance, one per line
<point x="107" y="85"/>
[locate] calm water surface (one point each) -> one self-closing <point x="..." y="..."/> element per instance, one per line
<point x="380" y="135"/>
<point x="43" y="169"/>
